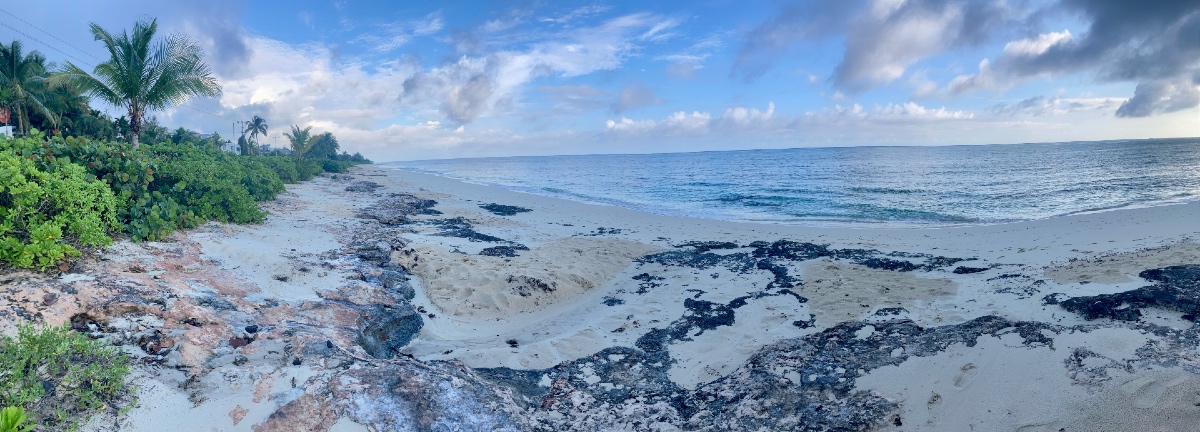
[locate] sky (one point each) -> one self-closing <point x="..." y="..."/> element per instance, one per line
<point x="449" y="79"/>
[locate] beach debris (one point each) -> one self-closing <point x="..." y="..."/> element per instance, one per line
<point x="363" y="186"/>
<point x="526" y="286"/>
<point x="460" y="227"/>
<point x="396" y="208"/>
<point x="503" y="210"/>
<point x="1177" y="288"/>
<point x="969" y="270"/>
<point x="503" y="251"/>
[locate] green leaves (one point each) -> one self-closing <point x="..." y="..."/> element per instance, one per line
<point x="49" y="208"/>
<point x="59" y="375"/>
<point x="12" y="418"/>
<point x="58" y="195"/>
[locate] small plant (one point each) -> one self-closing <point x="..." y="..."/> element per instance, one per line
<point x="12" y="418"/>
<point x="61" y="376"/>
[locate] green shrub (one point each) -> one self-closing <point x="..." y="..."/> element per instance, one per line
<point x="335" y="166"/>
<point x="284" y="167"/>
<point x="158" y="189"/>
<point x="308" y="168"/>
<point x="11" y="419"/>
<point x="61" y="376"/>
<point x="210" y="183"/>
<point x="260" y="181"/>
<point x="149" y="209"/>
<point x="45" y="213"/>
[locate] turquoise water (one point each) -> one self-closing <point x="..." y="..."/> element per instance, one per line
<point x="860" y="186"/>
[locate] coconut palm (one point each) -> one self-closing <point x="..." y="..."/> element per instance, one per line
<point x="323" y="146"/>
<point x="255" y="127"/>
<point x="142" y="76"/>
<point x="23" y="78"/>
<point x="299" y="139"/>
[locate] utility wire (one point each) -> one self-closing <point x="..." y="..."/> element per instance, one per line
<point x="51" y="35"/>
<point x="84" y="63"/>
<point x="39" y="41"/>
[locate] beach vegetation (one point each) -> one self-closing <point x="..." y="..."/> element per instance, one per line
<point x="92" y="178"/>
<point x="59" y="377"/>
<point x="300" y="140"/>
<point x="50" y="207"/>
<point x="11" y="419"/>
<point x="22" y="83"/>
<point x="143" y="75"/>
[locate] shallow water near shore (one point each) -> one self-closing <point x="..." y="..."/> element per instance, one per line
<point x="860" y="186"/>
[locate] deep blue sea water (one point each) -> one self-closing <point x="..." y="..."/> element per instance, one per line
<point x="860" y="186"/>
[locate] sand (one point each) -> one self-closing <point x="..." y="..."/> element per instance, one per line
<point x="584" y="284"/>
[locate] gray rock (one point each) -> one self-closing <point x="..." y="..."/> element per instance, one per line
<point x="383" y="330"/>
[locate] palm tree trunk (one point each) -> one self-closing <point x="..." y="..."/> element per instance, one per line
<point x="135" y="128"/>
<point x="22" y="127"/>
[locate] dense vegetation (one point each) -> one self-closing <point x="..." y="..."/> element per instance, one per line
<point x="61" y="195"/>
<point x="58" y="195"/>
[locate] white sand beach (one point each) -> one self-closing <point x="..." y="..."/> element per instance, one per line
<point x="923" y="329"/>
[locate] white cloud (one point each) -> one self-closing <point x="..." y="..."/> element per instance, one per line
<point x="578" y="52"/>
<point x="1036" y="46"/>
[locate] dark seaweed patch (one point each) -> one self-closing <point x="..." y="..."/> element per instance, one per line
<point x="969" y="270"/>
<point x="503" y="210"/>
<point x="503" y="251"/>
<point x="1178" y="289"/>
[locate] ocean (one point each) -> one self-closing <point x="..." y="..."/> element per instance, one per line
<point x="860" y="186"/>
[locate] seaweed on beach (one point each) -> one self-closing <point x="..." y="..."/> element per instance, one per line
<point x="460" y="227"/>
<point x="705" y="246"/>
<point x="805" y="383"/>
<point x="363" y="186"/>
<point x="1177" y="288"/>
<point x="503" y="251"/>
<point x="503" y="210"/>
<point x="396" y="209"/>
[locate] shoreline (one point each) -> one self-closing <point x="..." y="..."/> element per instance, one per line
<point x="548" y="314"/>
<point x="833" y="223"/>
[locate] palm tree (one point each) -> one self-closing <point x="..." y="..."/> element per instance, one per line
<point x="255" y="127"/>
<point x="23" y="78"/>
<point x="142" y="77"/>
<point x="323" y="146"/>
<point x="300" y="140"/>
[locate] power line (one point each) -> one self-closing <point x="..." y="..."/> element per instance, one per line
<point x="39" y="41"/>
<point x="81" y="62"/>
<point x="49" y="34"/>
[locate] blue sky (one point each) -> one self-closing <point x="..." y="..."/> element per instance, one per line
<point x="425" y="79"/>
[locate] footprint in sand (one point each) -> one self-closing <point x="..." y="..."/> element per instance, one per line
<point x="1146" y="391"/>
<point x="966" y="375"/>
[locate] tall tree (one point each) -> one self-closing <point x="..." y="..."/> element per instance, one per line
<point x="299" y="139"/>
<point x="323" y="146"/>
<point x="244" y="146"/>
<point x="23" y="78"/>
<point x="255" y="127"/>
<point x="141" y="75"/>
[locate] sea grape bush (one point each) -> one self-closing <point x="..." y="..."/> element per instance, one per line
<point x="46" y="212"/>
<point x="60" y="194"/>
<point x="150" y="210"/>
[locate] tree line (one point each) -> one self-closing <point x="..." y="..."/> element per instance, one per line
<point x="142" y="75"/>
